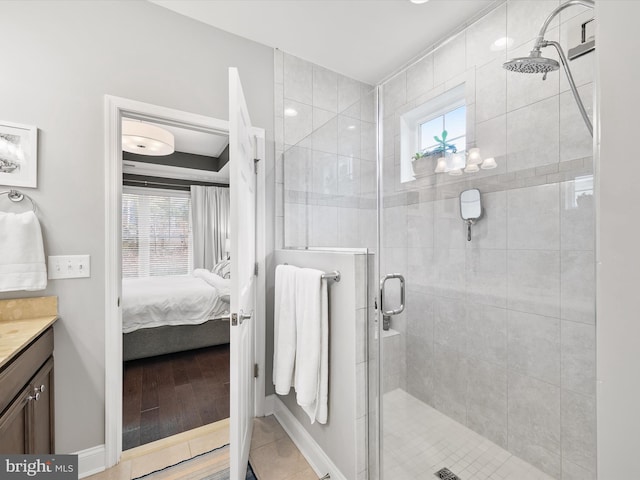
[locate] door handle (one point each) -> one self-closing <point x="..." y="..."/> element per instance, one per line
<point x="400" y="309"/>
<point x="239" y="318"/>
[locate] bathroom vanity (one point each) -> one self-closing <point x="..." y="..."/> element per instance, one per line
<point x="26" y="375"/>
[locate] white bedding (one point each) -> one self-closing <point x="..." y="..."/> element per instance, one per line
<point x="173" y="300"/>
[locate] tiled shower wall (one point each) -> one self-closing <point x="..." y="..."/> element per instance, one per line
<point x="499" y="332"/>
<point x="325" y="157"/>
<point x="326" y="192"/>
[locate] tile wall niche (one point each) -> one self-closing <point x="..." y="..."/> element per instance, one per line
<point x="499" y="332"/>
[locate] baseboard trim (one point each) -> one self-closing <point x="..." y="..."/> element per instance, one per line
<point x="269" y="402"/>
<point x="91" y="461"/>
<point x="317" y="458"/>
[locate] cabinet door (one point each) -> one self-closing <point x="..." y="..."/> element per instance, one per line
<point x="14" y="422"/>
<point x="41" y="422"/>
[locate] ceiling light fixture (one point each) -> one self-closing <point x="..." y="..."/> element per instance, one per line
<point x="145" y="139"/>
<point x="418" y="2"/>
<point x="290" y="112"/>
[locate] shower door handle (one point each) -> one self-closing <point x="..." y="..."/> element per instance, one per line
<point x="400" y="309"/>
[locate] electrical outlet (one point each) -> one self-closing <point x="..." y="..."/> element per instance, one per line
<point x="68" y="266"/>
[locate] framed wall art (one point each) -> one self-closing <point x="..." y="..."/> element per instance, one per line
<point x="18" y="155"/>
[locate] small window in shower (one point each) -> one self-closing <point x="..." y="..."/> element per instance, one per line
<point x="454" y="122"/>
<point x="420" y="126"/>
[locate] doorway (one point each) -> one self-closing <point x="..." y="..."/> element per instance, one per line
<point x="116" y="110"/>
<point x="175" y="280"/>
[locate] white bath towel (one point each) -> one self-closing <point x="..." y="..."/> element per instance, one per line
<point x="22" y="264"/>
<point x="284" y="338"/>
<point x="312" y="346"/>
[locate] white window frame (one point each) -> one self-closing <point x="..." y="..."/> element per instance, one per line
<point x="410" y="125"/>
<point x="162" y="192"/>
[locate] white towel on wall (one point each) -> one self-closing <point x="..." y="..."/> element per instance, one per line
<point x="312" y="346"/>
<point x="284" y="335"/>
<point x="22" y="265"/>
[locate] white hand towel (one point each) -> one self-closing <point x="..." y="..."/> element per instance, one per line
<point x="312" y="320"/>
<point x="22" y="264"/>
<point x="284" y="337"/>
<point x="323" y="396"/>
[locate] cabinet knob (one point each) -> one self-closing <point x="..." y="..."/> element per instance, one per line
<point x="40" y="389"/>
<point x="35" y="397"/>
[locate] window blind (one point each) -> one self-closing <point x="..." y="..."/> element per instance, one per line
<point x="156" y="233"/>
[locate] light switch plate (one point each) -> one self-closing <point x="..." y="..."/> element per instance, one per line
<point x="68" y="266"/>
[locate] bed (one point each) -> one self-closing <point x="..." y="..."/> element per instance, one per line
<point x="170" y="314"/>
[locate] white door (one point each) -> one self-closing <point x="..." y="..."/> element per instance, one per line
<point x="243" y="279"/>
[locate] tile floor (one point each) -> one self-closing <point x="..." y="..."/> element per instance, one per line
<point x="273" y="455"/>
<point x="168" y="451"/>
<point x="419" y="441"/>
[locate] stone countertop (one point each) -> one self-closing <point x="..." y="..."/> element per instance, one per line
<point x="21" y="321"/>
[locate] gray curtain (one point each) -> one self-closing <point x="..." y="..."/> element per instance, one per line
<point x="210" y="224"/>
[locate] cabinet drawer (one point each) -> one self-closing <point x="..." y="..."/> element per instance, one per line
<point x="14" y="376"/>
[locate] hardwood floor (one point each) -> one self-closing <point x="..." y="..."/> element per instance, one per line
<point x="170" y="394"/>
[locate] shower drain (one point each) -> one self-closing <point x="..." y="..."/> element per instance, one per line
<point x="446" y="474"/>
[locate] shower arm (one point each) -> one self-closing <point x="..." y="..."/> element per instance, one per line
<point x="540" y="38"/>
<point x="572" y="84"/>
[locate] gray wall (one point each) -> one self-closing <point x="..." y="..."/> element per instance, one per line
<point x="60" y="59"/>
<point x="617" y="253"/>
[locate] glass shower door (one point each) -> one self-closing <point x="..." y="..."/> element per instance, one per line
<point x="489" y="370"/>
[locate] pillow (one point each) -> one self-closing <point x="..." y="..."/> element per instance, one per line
<point x="222" y="285"/>
<point x="223" y="269"/>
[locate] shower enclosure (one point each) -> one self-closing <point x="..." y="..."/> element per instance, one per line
<point x="487" y="368"/>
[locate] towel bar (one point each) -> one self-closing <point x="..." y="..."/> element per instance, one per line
<point x="16" y="196"/>
<point x="335" y="275"/>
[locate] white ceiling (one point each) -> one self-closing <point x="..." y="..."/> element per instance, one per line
<point x="363" y="39"/>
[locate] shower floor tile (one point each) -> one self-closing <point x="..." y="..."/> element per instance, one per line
<point x="420" y="440"/>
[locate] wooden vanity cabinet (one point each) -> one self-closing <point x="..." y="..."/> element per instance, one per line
<point x="26" y="399"/>
<point x="14" y="425"/>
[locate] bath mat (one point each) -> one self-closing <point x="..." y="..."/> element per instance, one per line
<point x="211" y="465"/>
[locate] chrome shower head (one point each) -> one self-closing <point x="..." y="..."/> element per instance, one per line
<point x="534" y="63"/>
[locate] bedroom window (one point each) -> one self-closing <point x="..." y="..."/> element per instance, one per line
<point x="156" y="232"/>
